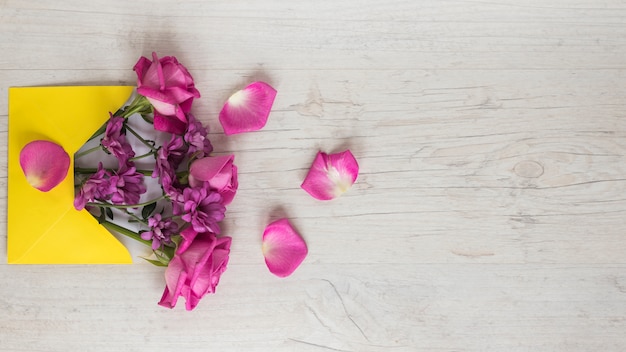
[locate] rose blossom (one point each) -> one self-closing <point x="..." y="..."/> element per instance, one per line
<point x="196" y="271"/>
<point x="218" y="172"/>
<point x="170" y="89"/>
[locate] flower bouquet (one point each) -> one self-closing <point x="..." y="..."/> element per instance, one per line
<point x="149" y="173"/>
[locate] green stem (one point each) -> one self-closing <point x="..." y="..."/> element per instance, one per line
<point x="92" y="170"/>
<point x="125" y="206"/>
<point x="126" y="232"/>
<point x="100" y="131"/>
<point x="147" y="119"/>
<point x="136" y="217"/>
<point x="145" y="172"/>
<point x="142" y="156"/>
<point x="140" y="104"/>
<point x="88" y="151"/>
<point x="148" y="144"/>
<point x="85" y="170"/>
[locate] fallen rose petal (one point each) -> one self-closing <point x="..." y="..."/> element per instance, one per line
<point x="283" y="248"/>
<point x="331" y="175"/>
<point x="45" y="164"/>
<point x="248" y="109"/>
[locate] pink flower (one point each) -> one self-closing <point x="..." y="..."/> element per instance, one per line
<point x="196" y="271"/>
<point x="168" y="159"/>
<point x="219" y="172"/>
<point x="161" y="231"/>
<point x="129" y="185"/>
<point x="170" y="89"/>
<point x="97" y="187"/>
<point x="200" y="207"/>
<point x="196" y="138"/>
<point x="331" y="175"/>
<point x="115" y="141"/>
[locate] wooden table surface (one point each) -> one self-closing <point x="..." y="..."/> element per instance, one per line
<point x="489" y="213"/>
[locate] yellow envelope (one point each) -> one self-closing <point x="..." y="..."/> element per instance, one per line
<point x="44" y="227"/>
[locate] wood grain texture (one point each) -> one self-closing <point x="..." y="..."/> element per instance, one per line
<point x="489" y="214"/>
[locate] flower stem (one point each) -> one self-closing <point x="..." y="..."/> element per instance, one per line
<point x="136" y="217"/>
<point x="140" y="104"/>
<point x="91" y="170"/>
<point x="148" y="144"/>
<point x="126" y="232"/>
<point x="88" y="151"/>
<point x="100" y="131"/>
<point x="142" y="156"/>
<point x="125" y="206"/>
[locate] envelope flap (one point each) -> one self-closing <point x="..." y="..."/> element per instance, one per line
<point x="44" y="228"/>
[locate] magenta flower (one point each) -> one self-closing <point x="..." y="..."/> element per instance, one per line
<point x="45" y="164"/>
<point x="196" y="138"/>
<point x="161" y="231"/>
<point x="248" y="109"/>
<point x="218" y="172"/>
<point x="200" y="207"/>
<point x="196" y="272"/>
<point x="331" y="175"/>
<point x="96" y="187"/>
<point x="168" y="159"/>
<point x="283" y="248"/>
<point x="170" y="89"/>
<point x="115" y="141"/>
<point x="128" y="184"/>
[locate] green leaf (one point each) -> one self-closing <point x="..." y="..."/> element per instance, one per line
<point x="147" y="210"/>
<point x="154" y="262"/>
<point x="168" y="252"/>
<point x="102" y="218"/>
<point x="147" y="119"/>
<point x="100" y="131"/>
<point x="109" y="213"/>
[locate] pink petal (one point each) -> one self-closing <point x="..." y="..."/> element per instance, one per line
<point x="283" y="248"/>
<point x="214" y="169"/>
<point x="169" y="124"/>
<point x="248" y="109"/>
<point x="331" y="175"/>
<point x="141" y="69"/>
<point x="188" y="235"/>
<point x="45" y="164"/>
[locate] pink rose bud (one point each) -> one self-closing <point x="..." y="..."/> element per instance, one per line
<point x="170" y="89"/>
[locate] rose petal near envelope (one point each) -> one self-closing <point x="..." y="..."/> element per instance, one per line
<point x="44" y="227"/>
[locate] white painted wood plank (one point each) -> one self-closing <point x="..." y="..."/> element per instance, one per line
<point x="488" y="216"/>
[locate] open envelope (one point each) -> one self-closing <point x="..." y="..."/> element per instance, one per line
<point x="44" y="227"/>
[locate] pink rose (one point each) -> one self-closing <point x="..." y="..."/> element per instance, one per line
<point x="170" y="89"/>
<point x="219" y="172"/>
<point x="196" y="271"/>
